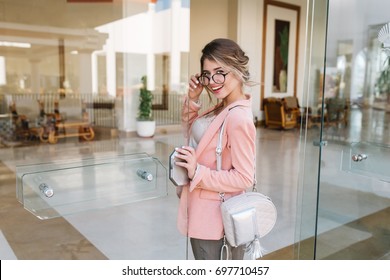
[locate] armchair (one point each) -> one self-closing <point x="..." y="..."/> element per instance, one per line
<point x="337" y="111"/>
<point x="24" y="127"/>
<point x="292" y="106"/>
<point x="276" y="114"/>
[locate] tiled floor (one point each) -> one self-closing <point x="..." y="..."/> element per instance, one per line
<point x="147" y="229"/>
<point x="124" y="232"/>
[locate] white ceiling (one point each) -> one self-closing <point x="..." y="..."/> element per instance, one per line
<point x="60" y="13"/>
<point x="44" y="22"/>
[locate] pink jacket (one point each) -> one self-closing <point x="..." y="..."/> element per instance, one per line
<point x="199" y="213"/>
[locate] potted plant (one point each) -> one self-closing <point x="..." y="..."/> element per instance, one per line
<point x="146" y="125"/>
<point x="383" y="81"/>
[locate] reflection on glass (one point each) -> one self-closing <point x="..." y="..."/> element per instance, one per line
<point x="352" y="192"/>
<point x="84" y="184"/>
<point x="94" y="52"/>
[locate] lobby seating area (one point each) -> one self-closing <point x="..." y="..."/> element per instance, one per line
<point x="286" y="113"/>
<point x="30" y="118"/>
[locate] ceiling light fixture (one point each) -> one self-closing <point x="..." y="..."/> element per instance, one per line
<point x="15" y="44"/>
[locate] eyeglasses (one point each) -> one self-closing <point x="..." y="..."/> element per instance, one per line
<point x="218" y="78"/>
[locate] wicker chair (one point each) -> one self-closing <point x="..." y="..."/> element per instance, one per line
<point x="277" y="116"/>
<point x="23" y="119"/>
<point x="291" y="104"/>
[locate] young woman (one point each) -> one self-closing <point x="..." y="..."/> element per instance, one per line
<point x="224" y="72"/>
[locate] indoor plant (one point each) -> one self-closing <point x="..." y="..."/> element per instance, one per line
<point x="383" y="81"/>
<point x="146" y="125"/>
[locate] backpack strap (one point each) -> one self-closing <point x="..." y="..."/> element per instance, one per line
<point x="218" y="150"/>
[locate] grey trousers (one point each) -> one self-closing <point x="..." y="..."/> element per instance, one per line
<point x="211" y="250"/>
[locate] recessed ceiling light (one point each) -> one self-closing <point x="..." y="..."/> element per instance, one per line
<point x="15" y="44"/>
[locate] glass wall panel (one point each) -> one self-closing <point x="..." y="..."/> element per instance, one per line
<point x="352" y="201"/>
<point x="70" y="77"/>
<point x="311" y="145"/>
<point x="50" y="190"/>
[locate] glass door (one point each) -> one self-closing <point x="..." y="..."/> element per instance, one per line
<point x="66" y="66"/>
<point x="345" y="205"/>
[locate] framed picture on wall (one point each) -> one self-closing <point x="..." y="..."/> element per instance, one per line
<point x="280" y="49"/>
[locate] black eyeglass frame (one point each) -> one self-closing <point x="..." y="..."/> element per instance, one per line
<point x="212" y="78"/>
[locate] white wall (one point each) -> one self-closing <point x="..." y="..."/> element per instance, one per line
<point x="208" y="20"/>
<point x="250" y="34"/>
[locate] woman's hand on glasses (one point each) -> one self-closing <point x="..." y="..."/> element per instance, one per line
<point x="195" y="87"/>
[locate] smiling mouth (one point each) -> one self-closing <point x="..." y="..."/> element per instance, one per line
<point x="217" y="88"/>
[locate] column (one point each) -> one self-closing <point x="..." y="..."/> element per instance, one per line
<point x="35" y="76"/>
<point x="3" y="76"/>
<point x="150" y="57"/>
<point x="85" y="71"/>
<point x="111" y="63"/>
<point x="175" y="46"/>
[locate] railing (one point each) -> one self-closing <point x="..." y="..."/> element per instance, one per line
<point x="101" y="109"/>
<point x="172" y="115"/>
